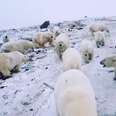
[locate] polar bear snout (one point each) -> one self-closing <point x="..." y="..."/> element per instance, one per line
<point x="103" y="63"/>
<point x="100" y="43"/>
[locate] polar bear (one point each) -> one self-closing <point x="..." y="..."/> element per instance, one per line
<point x="74" y="95"/>
<point x="100" y="38"/>
<point x="98" y="27"/>
<point x="87" y="50"/>
<point x="11" y="61"/>
<point x="42" y="38"/>
<point x="61" y="43"/>
<point x="19" y="45"/>
<point x="109" y="62"/>
<point x="71" y="59"/>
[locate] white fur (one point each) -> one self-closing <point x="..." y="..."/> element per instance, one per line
<point x="62" y="38"/>
<point x="18" y="45"/>
<point x="8" y="61"/>
<point x="86" y="46"/>
<point x="42" y="38"/>
<point x="97" y="27"/>
<point x="74" y="95"/>
<point x="99" y="37"/>
<point x="71" y="59"/>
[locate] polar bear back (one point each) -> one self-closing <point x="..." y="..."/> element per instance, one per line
<point x="71" y="59"/>
<point x="97" y="27"/>
<point x="19" y="45"/>
<point x="86" y="46"/>
<point x="74" y="95"/>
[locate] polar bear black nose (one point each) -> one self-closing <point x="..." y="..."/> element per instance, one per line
<point x="101" y="62"/>
<point x="60" y="45"/>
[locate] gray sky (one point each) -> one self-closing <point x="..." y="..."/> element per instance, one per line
<point x="19" y="13"/>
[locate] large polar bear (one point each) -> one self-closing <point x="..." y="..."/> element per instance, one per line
<point x="109" y="62"/>
<point x="42" y="38"/>
<point x="11" y="61"/>
<point x="61" y="43"/>
<point x="98" y="27"/>
<point x="74" y="95"/>
<point x="19" y="45"/>
<point x="87" y="50"/>
<point x="71" y="59"/>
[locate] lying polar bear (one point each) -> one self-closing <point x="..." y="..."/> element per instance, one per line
<point x="74" y="95"/>
<point x="71" y="59"/>
<point x="11" y="61"/>
<point x="109" y="62"/>
<point x="87" y="50"/>
<point x="19" y="45"/>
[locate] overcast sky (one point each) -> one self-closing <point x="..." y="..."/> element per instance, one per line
<point x="19" y="13"/>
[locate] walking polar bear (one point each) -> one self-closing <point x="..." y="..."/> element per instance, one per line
<point x="71" y="59"/>
<point x="61" y="43"/>
<point x="42" y="38"/>
<point x="100" y="38"/>
<point x="87" y="50"/>
<point x="11" y="61"/>
<point x="74" y="95"/>
<point x="19" y="45"/>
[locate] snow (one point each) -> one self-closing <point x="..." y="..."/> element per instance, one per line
<point x="31" y="92"/>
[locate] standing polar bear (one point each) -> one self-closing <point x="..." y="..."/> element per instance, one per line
<point x="71" y="59"/>
<point x="11" y="61"/>
<point x="87" y="50"/>
<point x="42" y="38"/>
<point x="98" y="27"/>
<point x="61" y="43"/>
<point x="100" y="38"/>
<point x="74" y="95"/>
<point x="19" y="45"/>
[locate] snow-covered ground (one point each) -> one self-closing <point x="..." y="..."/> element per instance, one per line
<point x="31" y="91"/>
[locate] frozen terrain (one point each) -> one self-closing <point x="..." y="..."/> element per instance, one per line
<point x="31" y="91"/>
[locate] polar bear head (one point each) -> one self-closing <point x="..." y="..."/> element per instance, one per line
<point x="109" y="62"/>
<point x="88" y="56"/>
<point x="60" y="48"/>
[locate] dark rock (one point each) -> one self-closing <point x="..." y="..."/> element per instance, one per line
<point x="31" y="109"/>
<point x="25" y="103"/>
<point x="46" y="68"/>
<point x="3" y="86"/>
<point x="45" y="25"/>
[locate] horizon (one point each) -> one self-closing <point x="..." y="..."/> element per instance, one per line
<point x="24" y="13"/>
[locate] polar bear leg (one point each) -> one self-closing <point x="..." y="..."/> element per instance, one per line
<point x="6" y="73"/>
<point x="15" y="69"/>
